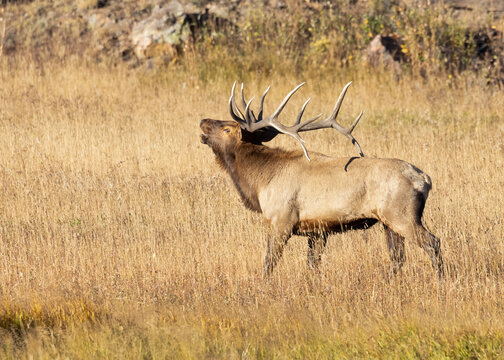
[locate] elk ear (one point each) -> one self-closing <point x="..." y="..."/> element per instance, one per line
<point x="238" y="132"/>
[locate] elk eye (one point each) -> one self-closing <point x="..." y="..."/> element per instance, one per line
<point x="226" y="130"/>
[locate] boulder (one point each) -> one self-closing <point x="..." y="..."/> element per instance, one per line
<point x="492" y="7"/>
<point x="161" y="32"/>
<point x="109" y="34"/>
<point x="385" y="51"/>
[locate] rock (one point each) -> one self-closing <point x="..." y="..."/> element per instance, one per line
<point x="109" y="34"/>
<point x="98" y="20"/>
<point x="385" y="51"/>
<point x="161" y="32"/>
<point x="487" y="56"/>
<point x="102" y="3"/>
<point x="486" y="42"/>
<point x="493" y="7"/>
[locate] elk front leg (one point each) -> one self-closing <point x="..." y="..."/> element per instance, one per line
<point x="276" y="244"/>
<point x="316" y="246"/>
<point x="282" y="217"/>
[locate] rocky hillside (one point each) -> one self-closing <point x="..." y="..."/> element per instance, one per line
<point x="394" y="33"/>
<point x="129" y="31"/>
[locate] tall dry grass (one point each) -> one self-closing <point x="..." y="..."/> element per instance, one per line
<point x="121" y="238"/>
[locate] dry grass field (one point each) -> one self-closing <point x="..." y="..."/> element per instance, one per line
<point x="120" y="238"/>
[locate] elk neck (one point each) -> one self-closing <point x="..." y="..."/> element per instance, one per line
<point x="251" y="168"/>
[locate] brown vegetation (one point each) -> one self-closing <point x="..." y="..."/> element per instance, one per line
<point x="259" y="39"/>
<point x="120" y="239"/>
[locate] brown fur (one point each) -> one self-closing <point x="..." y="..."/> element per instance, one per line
<point x="325" y="195"/>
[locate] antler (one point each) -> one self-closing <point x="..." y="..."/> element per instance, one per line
<point x="249" y="122"/>
<point x="330" y="122"/>
<point x="266" y="129"/>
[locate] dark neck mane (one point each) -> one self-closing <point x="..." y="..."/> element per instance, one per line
<point x="252" y="167"/>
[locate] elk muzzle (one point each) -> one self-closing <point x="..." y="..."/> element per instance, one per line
<point x="205" y="127"/>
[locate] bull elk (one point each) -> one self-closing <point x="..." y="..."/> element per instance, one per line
<point x="316" y="195"/>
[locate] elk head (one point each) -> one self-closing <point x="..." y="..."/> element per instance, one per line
<point x="221" y="136"/>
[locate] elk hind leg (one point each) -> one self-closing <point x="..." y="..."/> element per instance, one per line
<point x="427" y="241"/>
<point x="276" y="244"/>
<point x="408" y="223"/>
<point x="395" y="243"/>
<point x="432" y="246"/>
<point x="316" y="246"/>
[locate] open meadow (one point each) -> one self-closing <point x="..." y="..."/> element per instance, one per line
<point x="121" y="238"/>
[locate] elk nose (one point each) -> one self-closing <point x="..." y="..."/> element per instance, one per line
<point x="206" y="125"/>
<point x="203" y="122"/>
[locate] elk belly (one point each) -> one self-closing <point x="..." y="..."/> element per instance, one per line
<point x="333" y="209"/>
<point x="332" y="226"/>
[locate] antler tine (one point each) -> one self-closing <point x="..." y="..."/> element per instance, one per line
<point x="356" y="121"/>
<point x="350" y="136"/>
<point x="261" y="103"/>
<point x="272" y="120"/>
<point x="301" y="142"/>
<point x="330" y="122"/>
<point x="248" y="113"/>
<point x="300" y="115"/>
<point x="279" y="109"/>
<point x="232" y="107"/>
<point x="334" y="113"/>
<point x="291" y="130"/>
<point x="244" y="103"/>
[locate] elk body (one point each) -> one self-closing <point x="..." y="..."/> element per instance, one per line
<point x="318" y="195"/>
